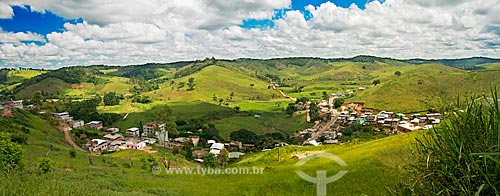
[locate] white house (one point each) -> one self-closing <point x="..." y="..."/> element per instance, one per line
<point x="132" y="132"/>
<point x="136" y="146"/>
<point x="153" y="128"/>
<point x="98" y="145"/>
<point x="95" y="124"/>
<point x="408" y="128"/>
<point x="116" y="145"/>
<point x="63" y="116"/>
<point x="78" y="124"/>
<point x="112" y="130"/>
<point x="16" y="104"/>
<point x="113" y="137"/>
<point x="216" y="148"/>
<point x="235" y="155"/>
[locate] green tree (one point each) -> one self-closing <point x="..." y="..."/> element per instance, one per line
<point x="191" y="84"/>
<point x="237" y="109"/>
<point x="223" y="157"/>
<point x="325" y="95"/>
<point x="211" y="130"/>
<point x="397" y="73"/>
<point x="244" y="136"/>
<point x="111" y="99"/>
<point x="376" y="82"/>
<point x="210" y="160"/>
<point x="338" y="102"/>
<point x="10" y="154"/>
<point x="188" y="149"/>
<point x="165" y="114"/>
<point x="141" y="128"/>
<point x="290" y="109"/>
<point x="37" y="98"/>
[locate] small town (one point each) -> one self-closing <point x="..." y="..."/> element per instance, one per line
<point x="331" y="127"/>
<point x="249" y="97"/>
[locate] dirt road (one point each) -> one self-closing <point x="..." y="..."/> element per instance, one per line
<point x="66" y="129"/>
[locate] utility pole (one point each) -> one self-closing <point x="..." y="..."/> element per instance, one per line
<point x="48" y="142"/>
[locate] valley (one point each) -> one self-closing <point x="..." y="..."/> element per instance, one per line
<point x="256" y="108"/>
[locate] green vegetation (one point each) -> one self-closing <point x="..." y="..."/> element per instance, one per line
<point x="461" y="157"/>
<point x="372" y="166"/>
<point x="10" y="155"/>
<point x="224" y="100"/>
<point x="111" y="99"/>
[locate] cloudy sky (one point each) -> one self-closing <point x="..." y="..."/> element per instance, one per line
<point x="56" y="33"/>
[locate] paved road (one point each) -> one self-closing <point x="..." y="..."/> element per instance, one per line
<point x="327" y="126"/>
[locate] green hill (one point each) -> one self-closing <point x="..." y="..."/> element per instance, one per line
<point x="372" y="166"/>
<point x="214" y="81"/>
<point x="47" y="85"/>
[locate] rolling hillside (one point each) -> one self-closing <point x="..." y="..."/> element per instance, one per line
<point x="423" y="85"/>
<point x="215" y="81"/>
<point x="372" y="167"/>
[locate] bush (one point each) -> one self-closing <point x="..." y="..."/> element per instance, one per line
<point x="461" y="157"/>
<point x="72" y="153"/>
<point x="19" y="138"/>
<point x="45" y="165"/>
<point x="10" y="154"/>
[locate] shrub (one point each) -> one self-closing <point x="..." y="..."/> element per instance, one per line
<point x="19" y="138"/>
<point x="45" y="165"/>
<point x="461" y="157"/>
<point x="72" y="153"/>
<point x="10" y="154"/>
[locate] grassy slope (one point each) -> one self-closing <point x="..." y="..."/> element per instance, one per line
<point x="214" y="80"/>
<point x="440" y="85"/>
<point x="372" y="166"/>
<point x="49" y="85"/>
<point x="267" y="123"/>
<point x="19" y="75"/>
<point x="15" y="77"/>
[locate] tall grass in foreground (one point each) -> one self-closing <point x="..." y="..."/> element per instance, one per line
<point x="462" y="156"/>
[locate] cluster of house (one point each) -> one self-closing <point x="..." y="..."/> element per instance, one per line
<point x="232" y="147"/>
<point x="114" y="141"/>
<point x="389" y="120"/>
<point x="152" y="134"/>
<point x="353" y="113"/>
<point x="6" y="107"/>
<point x="75" y="124"/>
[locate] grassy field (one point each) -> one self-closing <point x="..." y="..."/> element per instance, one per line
<point x="48" y="85"/>
<point x="20" y="75"/>
<point x="214" y="81"/>
<point x="424" y="89"/>
<point x="372" y="166"/>
<point x="267" y="123"/>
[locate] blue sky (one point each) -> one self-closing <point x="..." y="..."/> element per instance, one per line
<point x="26" y="20"/>
<point x="55" y="33"/>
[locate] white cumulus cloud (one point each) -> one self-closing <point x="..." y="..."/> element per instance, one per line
<point x="131" y="32"/>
